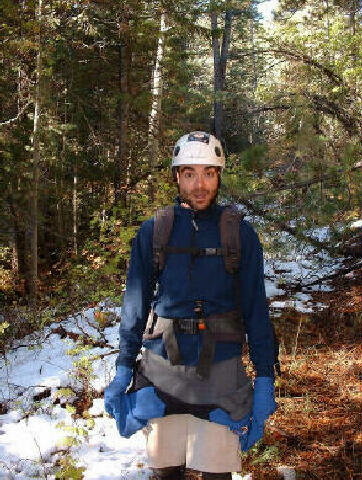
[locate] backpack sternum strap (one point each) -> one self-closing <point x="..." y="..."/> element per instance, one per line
<point x="195" y="251"/>
<point x="229" y="232"/>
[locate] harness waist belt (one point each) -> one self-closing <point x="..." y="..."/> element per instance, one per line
<point x="221" y="327"/>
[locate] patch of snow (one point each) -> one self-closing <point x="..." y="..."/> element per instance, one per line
<point x="272" y="290"/>
<point x="283" y="304"/>
<point x="107" y="456"/>
<point x="320" y="288"/>
<point x="356" y="224"/>
<point x="287" y="473"/>
<point x="303" y="296"/>
<point x="38" y="433"/>
<point x="45" y="365"/>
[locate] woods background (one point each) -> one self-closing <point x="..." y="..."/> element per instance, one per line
<point x="94" y="94"/>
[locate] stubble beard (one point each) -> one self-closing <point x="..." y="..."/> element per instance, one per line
<point x="186" y="197"/>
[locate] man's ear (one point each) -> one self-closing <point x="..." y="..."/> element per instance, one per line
<point x="175" y="174"/>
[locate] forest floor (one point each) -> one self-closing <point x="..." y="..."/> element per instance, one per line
<point x="52" y="382"/>
<point x="317" y="427"/>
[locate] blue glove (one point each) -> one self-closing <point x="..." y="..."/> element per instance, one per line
<point x="223" y="418"/>
<point x="136" y="409"/>
<point x="263" y="406"/>
<point x="131" y="411"/>
<point x="116" y="389"/>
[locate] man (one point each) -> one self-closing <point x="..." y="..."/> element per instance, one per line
<point x="190" y="388"/>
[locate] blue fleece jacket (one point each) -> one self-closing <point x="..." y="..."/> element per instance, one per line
<point x="186" y="279"/>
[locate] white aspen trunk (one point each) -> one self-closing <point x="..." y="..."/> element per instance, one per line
<point x="328" y="32"/>
<point x="75" y="211"/>
<point x="154" y="116"/>
<point x="33" y="227"/>
<point x="220" y="61"/>
<point x="217" y="76"/>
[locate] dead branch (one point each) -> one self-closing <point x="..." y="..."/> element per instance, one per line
<point x="13" y="120"/>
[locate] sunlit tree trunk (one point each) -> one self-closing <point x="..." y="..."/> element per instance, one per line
<point x="14" y="235"/>
<point x="75" y="209"/>
<point x="155" y="113"/>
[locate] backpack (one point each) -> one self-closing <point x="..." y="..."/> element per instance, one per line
<point x="230" y="250"/>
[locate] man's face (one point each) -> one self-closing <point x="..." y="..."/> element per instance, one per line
<point x="198" y="185"/>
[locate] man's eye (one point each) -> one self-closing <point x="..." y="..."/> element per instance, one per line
<point x="210" y="174"/>
<point x="188" y="175"/>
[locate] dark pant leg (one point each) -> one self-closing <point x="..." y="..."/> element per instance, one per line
<point x="196" y="475"/>
<point x="216" y="476"/>
<point x="168" y="473"/>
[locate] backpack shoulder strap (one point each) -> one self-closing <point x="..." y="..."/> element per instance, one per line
<point x="163" y="223"/>
<point x="230" y="238"/>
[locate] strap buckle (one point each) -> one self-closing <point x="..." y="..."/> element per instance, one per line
<point x="210" y="251"/>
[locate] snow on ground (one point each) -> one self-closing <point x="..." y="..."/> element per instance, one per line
<point x="33" y="431"/>
<point x="31" y="438"/>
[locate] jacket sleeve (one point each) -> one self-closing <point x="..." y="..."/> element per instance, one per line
<point x="138" y="296"/>
<point x="254" y="303"/>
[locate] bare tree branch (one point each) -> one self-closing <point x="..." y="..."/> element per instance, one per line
<point x="13" y="120"/>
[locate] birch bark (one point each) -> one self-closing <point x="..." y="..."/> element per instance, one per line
<point x="220" y="62"/>
<point x="155" y="113"/>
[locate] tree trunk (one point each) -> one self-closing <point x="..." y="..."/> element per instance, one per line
<point x="15" y="240"/>
<point x="255" y="120"/>
<point x="220" y="60"/>
<point x="154" y="116"/>
<point x="75" y="210"/>
<point x="33" y="224"/>
<point x="121" y="165"/>
<point x="59" y="196"/>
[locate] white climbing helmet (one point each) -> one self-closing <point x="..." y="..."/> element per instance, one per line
<point x="198" y="148"/>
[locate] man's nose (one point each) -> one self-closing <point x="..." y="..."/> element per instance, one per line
<point x="200" y="181"/>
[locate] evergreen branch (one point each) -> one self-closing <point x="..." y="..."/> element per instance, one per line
<point x="303" y="57"/>
<point x="283" y="226"/>
<point x="270" y="108"/>
<point x="301" y="184"/>
<point x="319" y="103"/>
<point x="325" y="105"/>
